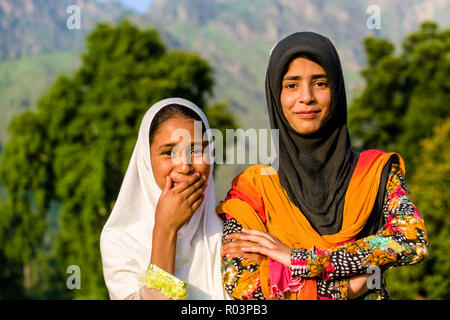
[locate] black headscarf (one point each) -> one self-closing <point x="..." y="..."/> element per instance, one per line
<point x="315" y="169"/>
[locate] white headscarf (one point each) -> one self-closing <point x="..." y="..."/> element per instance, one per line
<point x="126" y="239"/>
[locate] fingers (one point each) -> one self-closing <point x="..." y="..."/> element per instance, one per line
<point x="235" y="244"/>
<point x="190" y="180"/>
<point x="259" y="233"/>
<point x="256" y="237"/>
<point x="197" y="203"/>
<point x="238" y="252"/>
<point x="167" y="186"/>
<point x="196" y="195"/>
<point x="257" y="249"/>
<point x="235" y="247"/>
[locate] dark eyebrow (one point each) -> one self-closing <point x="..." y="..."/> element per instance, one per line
<point x="171" y="145"/>
<point x="314" y="76"/>
<point x="319" y="76"/>
<point x="203" y="143"/>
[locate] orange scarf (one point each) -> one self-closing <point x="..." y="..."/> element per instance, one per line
<point x="258" y="201"/>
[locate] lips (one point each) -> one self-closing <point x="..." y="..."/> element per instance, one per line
<point x="307" y="113"/>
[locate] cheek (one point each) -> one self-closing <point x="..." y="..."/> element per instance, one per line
<point x="325" y="102"/>
<point x="203" y="169"/>
<point x="286" y="101"/>
<point x="161" y="170"/>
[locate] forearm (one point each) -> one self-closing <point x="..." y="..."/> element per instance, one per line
<point x="402" y="241"/>
<point x="382" y="251"/>
<point x="164" y="249"/>
<point x="241" y="277"/>
<point x="160" y="282"/>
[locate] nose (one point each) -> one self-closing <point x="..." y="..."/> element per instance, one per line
<point x="184" y="165"/>
<point x="306" y="95"/>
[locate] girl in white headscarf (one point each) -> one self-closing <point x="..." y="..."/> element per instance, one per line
<point x="163" y="237"/>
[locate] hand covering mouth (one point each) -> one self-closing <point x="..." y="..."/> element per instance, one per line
<point x="179" y="177"/>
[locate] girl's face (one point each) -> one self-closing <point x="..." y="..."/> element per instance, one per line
<point x="177" y="156"/>
<point x="305" y="96"/>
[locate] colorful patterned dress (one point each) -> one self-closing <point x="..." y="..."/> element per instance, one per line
<point x="401" y="241"/>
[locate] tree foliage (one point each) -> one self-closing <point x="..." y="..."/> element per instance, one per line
<point x="405" y="93"/>
<point x="74" y="150"/>
<point x="430" y="186"/>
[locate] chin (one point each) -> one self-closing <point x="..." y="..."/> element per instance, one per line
<point x="306" y="131"/>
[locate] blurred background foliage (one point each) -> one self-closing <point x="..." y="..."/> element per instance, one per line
<point x="73" y="100"/>
<point x="404" y="107"/>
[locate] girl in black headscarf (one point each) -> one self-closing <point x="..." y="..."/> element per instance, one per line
<point x="313" y="229"/>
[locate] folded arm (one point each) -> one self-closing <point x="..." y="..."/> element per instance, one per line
<point x="401" y="241"/>
<point x="241" y="276"/>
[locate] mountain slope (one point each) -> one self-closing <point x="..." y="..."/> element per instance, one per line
<point x="30" y="27"/>
<point x="237" y="36"/>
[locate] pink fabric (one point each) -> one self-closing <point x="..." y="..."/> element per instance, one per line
<point x="281" y="280"/>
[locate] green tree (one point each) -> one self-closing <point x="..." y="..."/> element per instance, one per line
<point x="74" y="150"/>
<point x="430" y="186"/>
<point x="405" y="93"/>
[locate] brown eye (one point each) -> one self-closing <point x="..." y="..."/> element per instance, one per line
<point x="322" y="84"/>
<point x="168" y="153"/>
<point x="290" y="86"/>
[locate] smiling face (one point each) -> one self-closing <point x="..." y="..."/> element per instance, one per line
<point x="305" y="96"/>
<point x="175" y="156"/>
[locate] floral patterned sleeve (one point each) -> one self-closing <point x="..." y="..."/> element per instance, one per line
<point x="401" y="241"/>
<point x="240" y="276"/>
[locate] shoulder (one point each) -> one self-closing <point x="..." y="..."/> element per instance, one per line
<point x="244" y="201"/>
<point x="396" y="178"/>
<point x="375" y="157"/>
<point x="251" y="177"/>
<point x="246" y="187"/>
<point x="246" y="182"/>
<point x="375" y="154"/>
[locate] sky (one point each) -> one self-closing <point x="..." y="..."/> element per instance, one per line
<point x="140" y="6"/>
